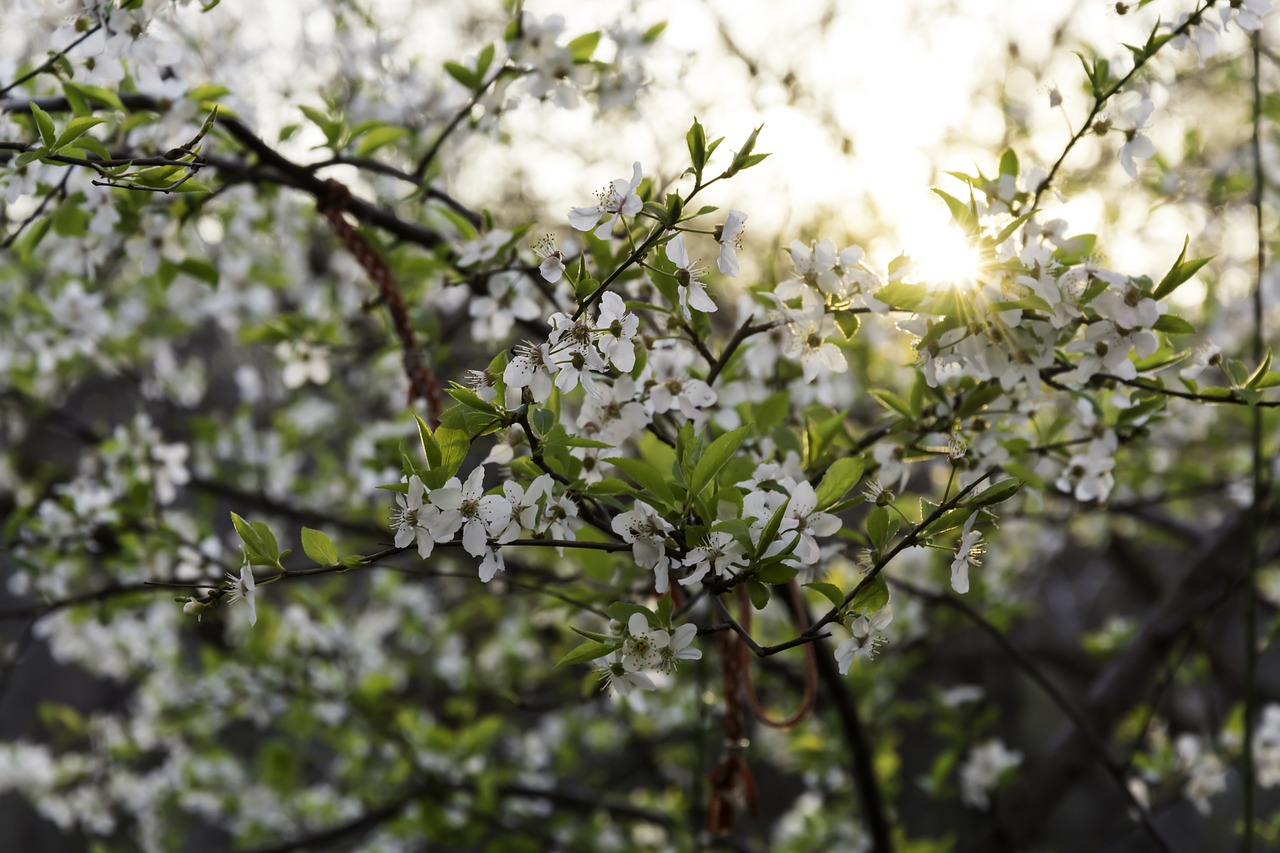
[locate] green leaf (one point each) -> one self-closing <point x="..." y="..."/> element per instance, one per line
<point x="995" y="493"/>
<point x="842" y="476"/>
<point x="99" y="94"/>
<point x="591" y="635"/>
<point x="429" y="446"/>
<point x="1181" y="271"/>
<point x="871" y="597"/>
<point x="484" y="60"/>
<point x="901" y="294"/>
<point x="1009" y="163"/>
<point x="848" y="323"/>
<point x="622" y="611"/>
<point x="649" y="478"/>
<point x="777" y="574"/>
<point x="893" y="402"/>
<point x="744" y="159"/>
<point x="1255" y="378"/>
<point x="1173" y="325"/>
<point x="587" y="652"/>
<point x="881" y="525"/>
<point x="259" y="543"/>
<point x="696" y="139"/>
<point x="45" y="125"/>
<point x="960" y="212"/>
<point x="378" y="138"/>
<point x="832" y="592"/>
<point x="462" y="74"/>
<point x="29" y="156"/>
<point x="770" y="531"/>
<point x="1270" y="379"/>
<point x="758" y="593"/>
<point x="319" y="547"/>
<point x="715" y="457"/>
<point x="949" y="520"/>
<point x="75" y="128"/>
<point x="581" y="48"/>
<point x="453" y="444"/>
<point x="471" y="399"/>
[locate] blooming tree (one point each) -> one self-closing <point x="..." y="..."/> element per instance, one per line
<point x="574" y="510"/>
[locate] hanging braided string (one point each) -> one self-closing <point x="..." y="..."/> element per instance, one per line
<point x="423" y="384"/>
<point x="810" y="663"/>
<point x="732" y="785"/>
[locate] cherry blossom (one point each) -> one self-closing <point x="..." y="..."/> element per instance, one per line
<point x="729" y="236"/>
<point x="693" y="293"/>
<point x="616" y="200"/>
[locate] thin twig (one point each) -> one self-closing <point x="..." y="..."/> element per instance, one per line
<point x="1059" y="698"/>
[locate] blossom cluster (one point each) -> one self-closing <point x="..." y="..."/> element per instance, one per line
<point x="428" y="517"/>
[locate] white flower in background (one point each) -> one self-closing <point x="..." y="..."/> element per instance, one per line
<point x="1248" y="13"/>
<point x="510" y="298"/>
<point x="715" y="555"/>
<point x="169" y="470"/>
<point x="690" y="396"/>
<point x="615" y="415"/>
<point x="646" y="531"/>
<point x="1088" y="474"/>
<point x="693" y="293"/>
<point x="1204" y="35"/>
<point x="811" y="263"/>
<point x="616" y="200"/>
<point x="865" y="640"/>
<point x="962" y="694"/>
<point x="303" y="362"/>
<point x="1266" y="747"/>
<point x="244" y="588"/>
<point x="893" y="469"/>
<point x="1127" y="307"/>
<point x="552" y="266"/>
<point x="618" y="678"/>
<point x="1133" y="120"/>
<point x="412" y="521"/>
<point x="1203" y="356"/>
<point x="1106" y="348"/>
<point x="729" y="236"/>
<point x="483" y="248"/>
<point x="981" y="773"/>
<point x="968" y="553"/>
<point x="1206" y="774"/>
<point x="616" y="327"/>
<point x="808" y="343"/>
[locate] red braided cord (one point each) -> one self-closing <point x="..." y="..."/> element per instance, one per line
<point x="732" y="785"/>
<point x="423" y="384"/>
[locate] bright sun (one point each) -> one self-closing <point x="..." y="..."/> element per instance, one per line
<point x="944" y="256"/>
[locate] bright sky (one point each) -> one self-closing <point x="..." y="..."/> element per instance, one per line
<point x="888" y="96"/>
<point x="865" y="104"/>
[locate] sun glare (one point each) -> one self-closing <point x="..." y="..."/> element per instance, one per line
<point x="945" y="256"/>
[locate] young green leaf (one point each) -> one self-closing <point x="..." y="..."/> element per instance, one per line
<point x="715" y="457"/>
<point x="319" y="547"/>
<point x="842" y="476"/>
